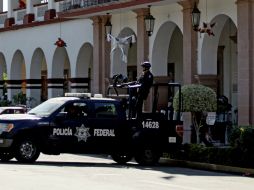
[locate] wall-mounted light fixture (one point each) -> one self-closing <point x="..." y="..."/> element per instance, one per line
<point x="195" y="16"/>
<point x="149" y="23"/>
<point x="108" y="26"/>
<point x="207" y="28"/>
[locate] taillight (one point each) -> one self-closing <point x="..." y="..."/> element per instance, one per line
<point x="179" y="130"/>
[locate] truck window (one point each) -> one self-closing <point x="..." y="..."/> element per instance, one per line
<point x="76" y="110"/>
<point x="105" y="110"/>
<point x="46" y="108"/>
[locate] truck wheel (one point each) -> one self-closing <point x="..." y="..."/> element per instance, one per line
<point x="6" y="156"/>
<point x="27" y="151"/>
<point x="147" y="156"/>
<point x="121" y="157"/>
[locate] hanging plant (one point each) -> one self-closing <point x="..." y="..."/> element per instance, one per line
<point x="60" y="43"/>
<point x="207" y="28"/>
<point x="22" y="4"/>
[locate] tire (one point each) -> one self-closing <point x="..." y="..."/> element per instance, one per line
<point x="147" y="156"/>
<point x="6" y="156"/>
<point x="27" y="151"/>
<point x="121" y="157"/>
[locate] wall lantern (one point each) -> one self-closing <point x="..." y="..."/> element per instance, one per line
<point x="195" y="16"/>
<point x="149" y="23"/>
<point x="108" y="26"/>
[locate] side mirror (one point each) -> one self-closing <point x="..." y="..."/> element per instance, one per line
<point x="163" y="111"/>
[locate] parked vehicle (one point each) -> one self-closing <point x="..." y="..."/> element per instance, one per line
<point x="80" y="123"/>
<point x="12" y="110"/>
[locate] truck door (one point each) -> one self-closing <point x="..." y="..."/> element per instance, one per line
<point x="106" y="124"/>
<point x="70" y="130"/>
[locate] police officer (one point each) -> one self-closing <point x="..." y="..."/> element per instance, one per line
<point x="145" y="81"/>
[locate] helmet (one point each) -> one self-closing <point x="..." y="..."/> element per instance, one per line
<point x="146" y="64"/>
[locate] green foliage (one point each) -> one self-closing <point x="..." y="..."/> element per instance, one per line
<point x="196" y="98"/>
<point x="5" y="103"/>
<point x="195" y="152"/>
<point x="230" y="156"/>
<point x="5" y="76"/>
<point x="19" y="99"/>
<point x="240" y="153"/>
<point x="234" y="136"/>
<point x="243" y="137"/>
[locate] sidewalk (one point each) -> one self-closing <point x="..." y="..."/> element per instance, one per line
<point x="206" y="166"/>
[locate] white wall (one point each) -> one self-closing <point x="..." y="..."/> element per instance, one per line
<point x="75" y="34"/>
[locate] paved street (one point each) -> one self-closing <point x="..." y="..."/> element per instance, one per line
<point x="87" y="172"/>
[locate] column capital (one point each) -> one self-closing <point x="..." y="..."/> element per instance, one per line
<point x="244" y="1"/>
<point x="142" y="12"/>
<point x="188" y="4"/>
<point x="104" y="18"/>
<point x="96" y="19"/>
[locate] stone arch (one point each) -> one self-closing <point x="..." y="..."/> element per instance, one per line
<point x="167" y="58"/>
<point x="61" y="72"/>
<point x="38" y="77"/>
<point x="17" y="82"/>
<point x="117" y="65"/>
<point x="81" y="82"/>
<point x="167" y="52"/>
<point x="219" y="56"/>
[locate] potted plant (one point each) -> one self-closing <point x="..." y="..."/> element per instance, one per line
<point x="197" y="99"/>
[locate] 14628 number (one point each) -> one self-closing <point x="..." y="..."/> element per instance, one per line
<point x="151" y="124"/>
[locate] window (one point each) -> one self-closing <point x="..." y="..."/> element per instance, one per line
<point x="76" y="110"/>
<point x="105" y="110"/>
<point x="16" y="111"/>
<point x="47" y="107"/>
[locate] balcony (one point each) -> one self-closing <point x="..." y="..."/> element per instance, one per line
<point x="61" y="7"/>
<point x="76" y="4"/>
<point x="39" y="11"/>
<point x="3" y="16"/>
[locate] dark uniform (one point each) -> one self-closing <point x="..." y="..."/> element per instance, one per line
<point x="146" y="81"/>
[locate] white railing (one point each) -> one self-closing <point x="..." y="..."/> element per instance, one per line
<point x="19" y="15"/>
<point x="60" y="6"/>
<point x="75" y="4"/>
<point x="3" y="16"/>
<point x="39" y="12"/>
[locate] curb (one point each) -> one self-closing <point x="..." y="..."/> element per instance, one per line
<point x="206" y="166"/>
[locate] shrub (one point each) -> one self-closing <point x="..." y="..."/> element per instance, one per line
<point x="196" y="99"/>
<point x="19" y="99"/>
<point x="5" y="103"/>
<point x="242" y="139"/>
<point x="230" y="156"/>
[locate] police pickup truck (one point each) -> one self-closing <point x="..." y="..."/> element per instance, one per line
<point x="83" y="124"/>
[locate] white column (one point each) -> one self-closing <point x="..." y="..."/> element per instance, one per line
<point x="29" y="7"/>
<point x="1" y="6"/>
<point x="10" y="9"/>
<point x="12" y="5"/>
<point x="51" y="4"/>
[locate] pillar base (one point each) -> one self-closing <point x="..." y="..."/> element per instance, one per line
<point x="50" y="14"/>
<point x="9" y="22"/>
<point x="28" y="18"/>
